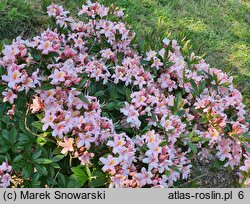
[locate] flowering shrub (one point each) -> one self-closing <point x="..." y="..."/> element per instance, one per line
<point x="87" y="102"/>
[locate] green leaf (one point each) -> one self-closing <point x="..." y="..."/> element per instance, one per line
<point x="83" y="98"/>
<point x="193" y="84"/>
<point x="113" y="92"/>
<point x="36" y="154"/>
<point x="61" y="180"/>
<point x="178" y="103"/>
<point x="42" y="170"/>
<point x="6" y="134"/>
<point x="17" y="158"/>
<point x="82" y="83"/>
<point x="37" y="124"/>
<point x="47" y="86"/>
<point x="57" y="158"/>
<point x="114" y="105"/>
<point x="55" y="165"/>
<point x="99" y="179"/>
<point x="78" y="179"/>
<point x="164" y="143"/>
<point x="27" y="171"/>
<point x="43" y="161"/>
<point x="99" y="93"/>
<point x="78" y="171"/>
<point x="146" y="129"/>
<point x="181" y="112"/>
<point x="41" y="141"/>
<point x="192" y="147"/>
<point x="202" y="86"/>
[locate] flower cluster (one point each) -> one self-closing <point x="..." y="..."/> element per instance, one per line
<point x="5" y="177"/>
<point x="171" y="106"/>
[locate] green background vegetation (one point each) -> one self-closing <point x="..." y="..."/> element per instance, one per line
<point x="219" y="29"/>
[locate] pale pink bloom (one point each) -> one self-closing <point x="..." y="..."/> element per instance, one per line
<point x="48" y="120"/>
<point x="152" y="161"/>
<point x="224" y="152"/>
<point x="166" y="41"/>
<point x="139" y="100"/>
<point x="107" y="53"/>
<point x="85" y="157"/>
<point x="27" y="83"/>
<point x="67" y="145"/>
<point x="186" y="170"/>
<point x="36" y="105"/>
<point x="9" y="96"/>
<point x="119" y="13"/>
<point x="151" y="137"/>
<point x="144" y="177"/>
<point x="79" y="43"/>
<point x="5" y="167"/>
<point x="117" y="144"/>
<point x="167" y="124"/>
<point x="246" y="166"/>
<point x="57" y="76"/>
<point x="13" y="78"/>
<point x="162" y="53"/>
<point x="46" y="47"/>
<point x="132" y="115"/>
<point x="153" y="148"/>
<point x="213" y="133"/>
<point x="85" y="139"/>
<point x="166" y="82"/>
<point x="5" y="180"/>
<point x="10" y="51"/>
<point x="56" y="10"/>
<point x="157" y="63"/>
<point x="247" y="183"/>
<point x="150" y="55"/>
<point x="139" y="80"/>
<point x="120" y="74"/>
<point x="109" y="163"/>
<point x="83" y="10"/>
<point x="58" y="129"/>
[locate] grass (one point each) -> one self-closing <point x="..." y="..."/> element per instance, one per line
<point x="219" y="29"/>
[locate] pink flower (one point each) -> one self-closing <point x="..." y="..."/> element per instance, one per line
<point x="67" y="145"/>
<point x="167" y="124"/>
<point x="152" y="161"/>
<point x="5" y="180"/>
<point x="117" y="144"/>
<point x="46" y="47"/>
<point x="58" y="129"/>
<point x="85" y="139"/>
<point x="132" y="115"/>
<point x="85" y="157"/>
<point x="144" y="177"/>
<point x="13" y="78"/>
<point x="37" y="105"/>
<point x="247" y="183"/>
<point x="166" y="41"/>
<point x="48" y="120"/>
<point x="246" y="166"/>
<point x="57" y="76"/>
<point x="5" y="167"/>
<point x="9" y="96"/>
<point x="109" y="163"/>
<point x="151" y="55"/>
<point x="108" y="54"/>
<point x="154" y="148"/>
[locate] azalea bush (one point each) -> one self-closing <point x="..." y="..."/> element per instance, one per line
<point x="84" y="106"/>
